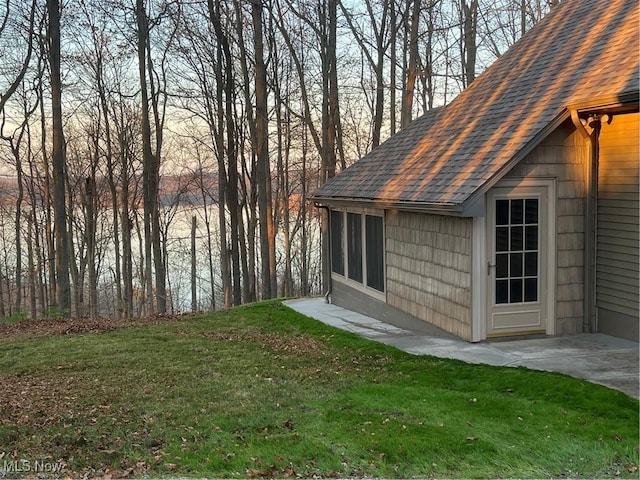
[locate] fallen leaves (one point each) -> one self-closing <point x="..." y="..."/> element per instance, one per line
<point x="136" y="470"/>
<point x="274" y="341"/>
<point x="69" y="326"/>
<point x="29" y="398"/>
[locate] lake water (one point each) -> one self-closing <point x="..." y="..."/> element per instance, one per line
<point x="179" y="256"/>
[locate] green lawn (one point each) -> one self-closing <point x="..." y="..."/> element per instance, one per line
<point x="263" y="391"/>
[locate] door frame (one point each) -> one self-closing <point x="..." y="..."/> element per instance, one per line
<point x="480" y="258"/>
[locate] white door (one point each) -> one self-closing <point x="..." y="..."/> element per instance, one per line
<point x="517" y="240"/>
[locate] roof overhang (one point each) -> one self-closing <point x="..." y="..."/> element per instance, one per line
<point x="473" y="206"/>
<point x="343" y="202"/>
<point x="614" y="104"/>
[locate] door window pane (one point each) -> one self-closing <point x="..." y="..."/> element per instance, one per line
<point x="516" y="238"/>
<point x="502" y="239"/>
<point x="502" y="291"/>
<point x="530" y="289"/>
<point x="515" y="287"/>
<point x="516" y="247"/>
<point x="502" y="212"/>
<point x="516" y="265"/>
<point x="516" y="212"/>
<point x="502" y="265"/>
<point x="531" y="211"/>
<point x="531" y="238"/>
<point x="531" y="264"/>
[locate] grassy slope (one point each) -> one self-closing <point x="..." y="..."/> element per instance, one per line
<point x="263" y="391"/>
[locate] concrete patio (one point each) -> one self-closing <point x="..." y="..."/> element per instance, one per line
<point x="597" y="358"/>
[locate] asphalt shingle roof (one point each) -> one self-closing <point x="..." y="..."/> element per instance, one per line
<point x="582" y="49"/>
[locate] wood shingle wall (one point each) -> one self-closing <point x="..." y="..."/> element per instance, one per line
<point x="562" y="156"/>
<point x="429" y="268"/>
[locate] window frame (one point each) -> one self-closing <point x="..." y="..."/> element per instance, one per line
<point x="344" y="277"/>
<point x="340" y="240"/>
<point x="355" y="267"/>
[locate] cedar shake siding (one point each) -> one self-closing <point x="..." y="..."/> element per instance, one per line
<point x="562" y="155"/>
<point x="429" y="269"/>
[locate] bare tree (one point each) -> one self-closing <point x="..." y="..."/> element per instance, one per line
<point x="227" y="145"/>
<point x="407" y="97"/>
<point x="468" y="45"/>
<point x="263" y="170"/>
<point x="378" y="22"/>
<point x="62" y="251"/>
<point x="15" y="142"/>
<point x="153" y="98"/>
<point x="8" y="47"/>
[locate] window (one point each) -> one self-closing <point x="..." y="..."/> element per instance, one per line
<point x="354" y="246"/>
<point x="357" y="248"/>
<point x="516" y="250"/>
<point x="375" y="252"/>
<point x="337" y="233"/>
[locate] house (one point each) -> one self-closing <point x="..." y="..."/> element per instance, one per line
<point x="514" y="209"/>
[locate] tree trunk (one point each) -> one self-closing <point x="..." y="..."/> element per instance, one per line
<point x="392" y="66"/>
<point x="252" y="225"/>
<point x="50" y="274"/>
<point x="469" y="47"/>
<point x="126" y="223"/>
<point x="38" y="270"/>
<point x="304" y="269"/>
<point x="15" y="150"/>
<point x="232" y="189"/>
<point x="261" y="147"/>
<point x="31" y="269"/>
<point x="225" y="268"/>
<point x="91" y="198"/>
<point x="58" y="159"/>
<point x="119" y="301"/>
<point x="149" y="166"/>
<point x="407" y="98"/>
<point x="204" y="193"/>
<point x="329" y="126"/>
<point x="76" y="291"/>
<point x="194" y="288"/>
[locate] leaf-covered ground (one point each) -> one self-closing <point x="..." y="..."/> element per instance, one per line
<point x="262" y="391"/>
<point x="68" y="326"/>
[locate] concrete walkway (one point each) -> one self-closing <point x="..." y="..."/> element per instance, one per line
<point x="597" y="358"/>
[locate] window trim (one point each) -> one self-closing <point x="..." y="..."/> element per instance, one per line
<point x="344" y="277"/>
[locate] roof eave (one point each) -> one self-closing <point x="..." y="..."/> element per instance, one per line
<point x="626" y="102"/>
<point x="380" y="204"/>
